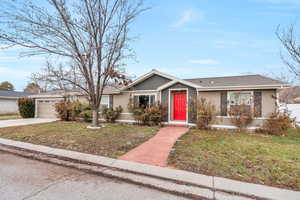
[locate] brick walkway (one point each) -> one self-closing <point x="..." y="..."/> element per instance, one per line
<point x="156" y="150"/>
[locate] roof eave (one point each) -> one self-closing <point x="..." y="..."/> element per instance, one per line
<point x="5" y="97"/>
<point x="46" y="96"/>
<point x="155" y="72"/>
<point x="243" y="87"/>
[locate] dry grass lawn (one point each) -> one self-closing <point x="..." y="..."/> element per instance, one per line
<point x="9" y="116"/>
<point x="113" y="140"/>
<point x="269" y="160"/>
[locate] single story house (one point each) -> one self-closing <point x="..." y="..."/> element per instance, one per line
<point x="176" y="94"/>
<point x="9" y="101"/>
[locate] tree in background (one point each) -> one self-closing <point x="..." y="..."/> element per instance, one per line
<point x="291" y="43"/>
<point x="93" y="35"/>
<point x="32" y="88"/>
<point x="7" y="86"/>
<point x="48" y="79"/>
<point x="283" y="75"/>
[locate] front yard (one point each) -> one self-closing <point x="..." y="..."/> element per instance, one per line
<point x="269" y="160"/>
<point x="112" y="141"/>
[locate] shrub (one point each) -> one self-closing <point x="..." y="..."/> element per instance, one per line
<point x="85" y="107"/>
<point x="205" y="112"/>
<point x="64" y="110"/>
<point x="67" y="110"/>
<point x="241" y="116"/>
<point x="278" y="124"/>
<point x="86" y="115"/>
<point x="110" y="115"/>
<point x="76" y="109"/>
<point x="26" y="107"/>
<point x="152" y="115"/>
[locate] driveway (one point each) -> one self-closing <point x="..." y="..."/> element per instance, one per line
<point x="22" y="122"/>
<point x="25" y="179"/>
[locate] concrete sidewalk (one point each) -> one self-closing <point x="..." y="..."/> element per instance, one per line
<point x="171" y="180"/>
<point x="23" y="122"/>
<point x="156" y="150"/>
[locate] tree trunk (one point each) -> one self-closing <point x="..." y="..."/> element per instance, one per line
<point x="95" y="120"/>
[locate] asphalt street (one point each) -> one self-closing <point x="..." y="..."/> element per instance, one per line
<point x="26" y="179"/>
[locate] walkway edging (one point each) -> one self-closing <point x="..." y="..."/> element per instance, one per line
<point x="202" y="182"/>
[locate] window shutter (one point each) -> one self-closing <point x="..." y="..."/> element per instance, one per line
<point x="257" y="103"/>
<point x="136" y="101"/>
<point x="111" y="101"/>
<point x="223" y="103"/>
<point x="152" y="99"/>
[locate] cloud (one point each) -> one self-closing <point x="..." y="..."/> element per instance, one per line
<point x="188" y="16"/>
<point x="204" y="62"/>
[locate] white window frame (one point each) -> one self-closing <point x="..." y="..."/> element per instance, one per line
<point x="106" y="104"/>
<point x="147" y="94"/>
<point x="239" y="92"/>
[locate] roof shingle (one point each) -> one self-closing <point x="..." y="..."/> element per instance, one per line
<point x="13" y="94"/>
<point x="245" y="80"/>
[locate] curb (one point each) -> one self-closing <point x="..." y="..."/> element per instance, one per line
<point x="176" y="181"/>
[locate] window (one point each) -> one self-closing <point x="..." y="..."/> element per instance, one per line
<point x="143" y="101"/>
<point x="104" y="102"/>
<point x="240" y="98"/>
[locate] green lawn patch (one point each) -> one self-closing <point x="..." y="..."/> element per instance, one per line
<point x="112" y="141"/>
<point x="9" y="116"/>
<point x="269" y="160"/>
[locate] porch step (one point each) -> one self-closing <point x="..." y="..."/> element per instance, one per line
<point x="176" y="125"/>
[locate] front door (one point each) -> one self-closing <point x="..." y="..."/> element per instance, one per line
<point x="179" y="106"/>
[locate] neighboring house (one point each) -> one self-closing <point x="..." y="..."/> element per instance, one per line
<point x="256" y="91"/>
<point x="9" y="101"/>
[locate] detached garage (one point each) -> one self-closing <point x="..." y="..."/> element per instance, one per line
<point x="9" y="101"/>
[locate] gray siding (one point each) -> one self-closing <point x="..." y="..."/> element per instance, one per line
<point x="111" y="101"/>
<point x="151" y="83"/>
<point x="224" y="103"/>
<point x="257" y="103"/>
<point x="165" y="101"/>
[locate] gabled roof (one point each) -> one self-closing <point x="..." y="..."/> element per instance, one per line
<point x="156" y="72"/>
<point x="13" y="94"/>
<point x="216" y="83"/>
<point x="244" y="80"/>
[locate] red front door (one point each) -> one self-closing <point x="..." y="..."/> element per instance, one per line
<point x="179" y="106"/>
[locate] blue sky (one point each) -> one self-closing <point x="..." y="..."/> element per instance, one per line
<point x="193" y="38"/>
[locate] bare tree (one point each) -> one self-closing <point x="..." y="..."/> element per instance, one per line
<point x="291" y="43"/>
<point x="92" y="34"/>
<point x="284" y="75"/>
<point x="58" y="77"/>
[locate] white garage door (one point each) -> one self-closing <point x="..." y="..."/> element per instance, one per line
<point x="46" y="108"/>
